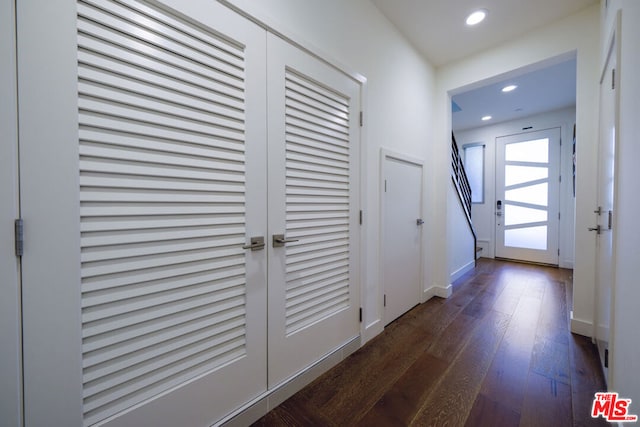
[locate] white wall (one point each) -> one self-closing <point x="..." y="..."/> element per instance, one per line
<point x="398" y="103"/>
<point x="484" y="214"/>
<point x="624" y="372"/>
<point x="575" y="35"/>
<point x="461" y="249"/>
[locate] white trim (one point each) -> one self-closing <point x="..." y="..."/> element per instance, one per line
<point x="259" y="17"/>
<point x="261" y="405"/>
<point x="438" y="291"/>
<point x="581" y="327"/>
<point x="462" y="270"/>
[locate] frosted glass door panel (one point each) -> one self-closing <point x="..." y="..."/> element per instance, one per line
<point x="528" y="151"/>
<point x="527" y="187"/>
<point x="514" y="175"/>
<point x="537" y="195"/>
<point x="517" y="215"/>
<point x="527" y="238"/>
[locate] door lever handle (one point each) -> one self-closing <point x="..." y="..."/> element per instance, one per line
<point x="279" y="240"/>
<point x="597" y="229"/>
<point x="419" y="221"/>
<point x="256" y="244"/>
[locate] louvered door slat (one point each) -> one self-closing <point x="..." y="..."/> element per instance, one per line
<point x="314" y="114"/>
<point x="163" y="202"/>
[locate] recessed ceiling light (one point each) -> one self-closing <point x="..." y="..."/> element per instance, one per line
<point x="476" y="17"/>
<point x="509" y="88"/>
<point x="485" y="118"/>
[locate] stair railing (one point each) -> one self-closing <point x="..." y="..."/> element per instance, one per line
<point x="461" y="182"/>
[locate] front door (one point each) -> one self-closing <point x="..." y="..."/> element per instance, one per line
<point x="606" y="201"/>
<point x="527" y="196"/>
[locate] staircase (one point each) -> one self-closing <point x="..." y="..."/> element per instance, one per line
<point x="461" y="183"/>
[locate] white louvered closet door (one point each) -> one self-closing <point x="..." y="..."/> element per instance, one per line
<point x="171" y="146"/>
<point x="313" y="197"/>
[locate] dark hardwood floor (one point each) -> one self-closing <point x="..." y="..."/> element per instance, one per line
<point x="497" y="353"/>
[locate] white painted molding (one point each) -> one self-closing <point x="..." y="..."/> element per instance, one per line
<point x="258" y="407"/>
<point x="581" y="327"/>
<point x="462" y="270"/>
<point x="438" y="291"/>
<point x="371" y="330"/>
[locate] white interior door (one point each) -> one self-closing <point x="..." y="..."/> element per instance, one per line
<point x="401" y="243"/>
<point x="527" y="196"/>
<point x="313" y="204"/>
<point x="606" y="201"/>
<point x="139" y="299"/>
<point x="10" y="336"/>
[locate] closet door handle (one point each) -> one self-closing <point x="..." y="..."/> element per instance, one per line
<point x="256" y="244"/>
<point x="279" y="240"/>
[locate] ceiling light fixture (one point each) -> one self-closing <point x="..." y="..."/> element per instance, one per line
<point x="485" y="118"/>
<point x="476" y="17"/>
<point x="509" y="88"/>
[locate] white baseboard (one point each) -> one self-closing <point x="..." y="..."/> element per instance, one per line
<point x="258" y="407"/>
<point x="437" y="291"/>
<point x="581" y="327"/>
<point x="372" y="330"/>
<point x="462" y="270"/>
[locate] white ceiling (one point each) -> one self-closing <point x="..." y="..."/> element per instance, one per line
<point x="545" y="89"/>
<point x="437" y="29"/>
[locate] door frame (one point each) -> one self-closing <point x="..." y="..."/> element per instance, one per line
<point x="550" y="215"/>
<point x="384" y="155"/>
<point x="613" y="47"/>
<point x="11" y="402"/>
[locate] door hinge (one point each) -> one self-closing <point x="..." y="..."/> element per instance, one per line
<point x="558" y="252"/>
<point x="385" y="185"/>
<point x="558" y="216"/>
<point x="19" y="236"/>
<point x="361" y="119"/>
<point x="361" y="217"/>
<point x="360" y="314"/>
<point x="560" y="178"/>
<point x="613" y="78"/>
<point x="606" y="357"/>
<point x="384" y="300"/>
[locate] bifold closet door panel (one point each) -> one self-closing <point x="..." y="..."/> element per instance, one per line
<point x="170" y="168"/>
<point x="313" y="147"/>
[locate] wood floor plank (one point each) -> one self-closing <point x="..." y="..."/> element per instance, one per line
<point x="554" y="317"/>
<point x="506" y="379"/>
<point x="489" y="413"/>
<point x="401" y="403"/>
<point x="586" y="379"/>
<point x="497" y="352"/>
<point x="547" y="403"/>
<point x="454" y="337"/>
<point x="452" y="400"/>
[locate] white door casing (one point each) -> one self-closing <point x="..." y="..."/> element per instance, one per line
<point x="10" y="327"/>
<point x="401" y="240"/>
<point x="605" y="213"/>
<point x="313" y="148"/>
<point x="527" y="196"/>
